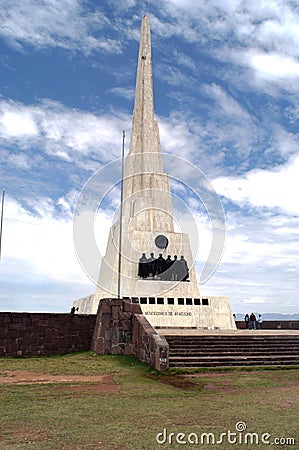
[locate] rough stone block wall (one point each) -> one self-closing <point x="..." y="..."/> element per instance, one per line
<point x="122" y="329"/>
<point x="44" y="334"/>
<point x="113" y="330"/>
<point x="148" y="345"/>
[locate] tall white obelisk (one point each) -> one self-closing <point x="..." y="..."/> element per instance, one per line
<point x="148" y="227"/>
<point x="147" y="204"/>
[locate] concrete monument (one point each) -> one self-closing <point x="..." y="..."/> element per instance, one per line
<point x="156" y="262"/>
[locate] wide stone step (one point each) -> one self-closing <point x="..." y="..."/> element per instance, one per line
<point x="208" y="350"/>
<point x="238" y="347"/>
<point x="196" y="352"/>
<point x="230" y="357"/>
<point x="233" y="344"/>
<point x="233" y="361"/>
<point x="233" y="350"/>
<point x="236" y="341"/>
<point x="252" y="335"/>
<point x="232" y="338"/>
<point x="230" y="346"/>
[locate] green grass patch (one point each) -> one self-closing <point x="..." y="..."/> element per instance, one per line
<point x="76" y="416"/>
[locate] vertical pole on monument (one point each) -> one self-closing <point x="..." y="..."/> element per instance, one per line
<point x="121" y="216"/>
<point x="1" y="223"/>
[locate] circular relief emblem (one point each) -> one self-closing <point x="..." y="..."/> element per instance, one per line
<point x="161" y="241"/>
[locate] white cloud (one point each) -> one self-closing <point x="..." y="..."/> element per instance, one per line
<point x="227" y="105"/>
<point x="168" y="29"/>
<point x="173" y="76"/>
<point x="18" y="123"/>
<point x="124" y="4"/>
<point x="254" y="301"/>
<point x="88" y="140"/>
<point x="285" y="143"/>
<point x="176" y="136"/>
<point x="260" y="262"/>
<point x="275" y="188"/>
<point x="123" y="92"/>
<point x="184" y="60"/>
<point x="54" y="23"/>
<point x="17" y="160"/>
<point x="273" y="65"/>
<point x="268" y="23"/>
<point x="280" y="30"/>
<point x="38" y="253"/>
<point x="67" y="134"/>
<point x="225" y="130"/>
<point x="261" y="35"/>
<point x="39" y="240"/>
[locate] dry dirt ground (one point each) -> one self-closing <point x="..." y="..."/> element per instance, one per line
<point x="97" y="383"/>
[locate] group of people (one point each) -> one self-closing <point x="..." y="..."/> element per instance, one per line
<point x="163" y="269"/>
<point x="251" y="322"/>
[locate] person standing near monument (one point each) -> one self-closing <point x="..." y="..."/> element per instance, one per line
<point x="252" y="320"/>
<point x="259" y="322"/>
<point x="246" y="320"/>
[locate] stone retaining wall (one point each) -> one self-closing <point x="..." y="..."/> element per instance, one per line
<point x="44" y="334"/>
<point x="113" y="330"/>
<point x="148" y="346"/>
<point x="273" y="324"/>
<point x="119" y="328"/>
<point x="122" y="329"/>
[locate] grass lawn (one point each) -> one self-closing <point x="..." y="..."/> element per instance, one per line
<point x="131" y="403"/>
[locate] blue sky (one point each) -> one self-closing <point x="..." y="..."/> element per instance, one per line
<point x="226" y="82"/>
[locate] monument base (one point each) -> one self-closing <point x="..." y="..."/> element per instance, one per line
<point x="203" y="313"/>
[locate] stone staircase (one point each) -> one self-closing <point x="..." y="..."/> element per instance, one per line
<point x="232" y="350"/>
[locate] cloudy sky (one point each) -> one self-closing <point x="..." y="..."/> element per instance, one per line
<point x="226" y="84"/>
